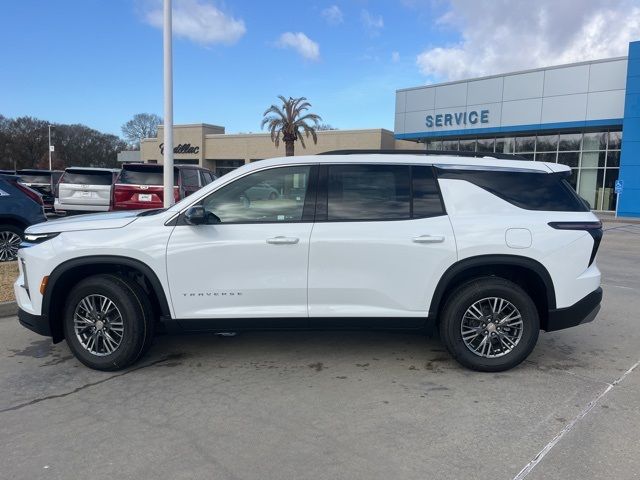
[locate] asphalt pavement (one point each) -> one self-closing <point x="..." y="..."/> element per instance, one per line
<point x="329" y="405"/>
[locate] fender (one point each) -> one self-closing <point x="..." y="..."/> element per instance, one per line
<point x="112" y="260"/>
<point x="491" y="261"/>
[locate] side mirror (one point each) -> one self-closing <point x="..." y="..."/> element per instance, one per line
<point x="195" y="215"/>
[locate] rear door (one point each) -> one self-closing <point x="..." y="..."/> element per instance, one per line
<point x="380" y="244"/>
<point x="85" y="187"/>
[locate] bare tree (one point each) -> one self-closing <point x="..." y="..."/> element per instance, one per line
<point x="142" y="125"/>
<point x="290" y="121"/>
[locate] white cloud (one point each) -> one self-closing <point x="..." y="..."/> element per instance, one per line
<point x="395" y="57"/>
<point x="505" y="35"/>
<point x="373" y="23"/>
<point x="301" y="44"/>
<point x="333" y="15"/>
<point x="199" y="21"/>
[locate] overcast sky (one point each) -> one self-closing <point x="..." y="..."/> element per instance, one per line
<point x="98" y="62"/>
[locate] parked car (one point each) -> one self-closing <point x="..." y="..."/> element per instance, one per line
<point x="85" y="190"/>
<point x="486" y="251"/>
<point x="42" y="181"/>
<point x="20" y="206"/>
<point x="140" y="185"/>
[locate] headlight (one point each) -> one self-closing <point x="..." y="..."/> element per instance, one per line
<point x="33" y="238"/>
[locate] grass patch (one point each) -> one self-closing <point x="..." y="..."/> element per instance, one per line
<point x="8" y="275"/>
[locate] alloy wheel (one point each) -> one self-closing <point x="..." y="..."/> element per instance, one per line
<point x="98" y="325"/>
<point x="491" y="327"/>
<point x="9" y="244"/>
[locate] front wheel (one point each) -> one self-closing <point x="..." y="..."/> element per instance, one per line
<point x="108" y="322"/>
<point x="10" y="239"/>
<point x="489" y="324"/>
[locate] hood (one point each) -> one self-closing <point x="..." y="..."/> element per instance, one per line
<point x="98" y="221"/>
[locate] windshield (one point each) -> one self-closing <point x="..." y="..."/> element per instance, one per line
<point x="86" y="177"/>
<point x="144" y="176"/>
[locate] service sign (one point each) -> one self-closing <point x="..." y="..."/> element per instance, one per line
<point x="457" y="119"/>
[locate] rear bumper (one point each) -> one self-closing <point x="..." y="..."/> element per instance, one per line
<point x="583" y="311"/>
<point x="72" y="207"/>
<point x="35" y="323"/>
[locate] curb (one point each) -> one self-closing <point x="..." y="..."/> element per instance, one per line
<point x="8" y="309"/>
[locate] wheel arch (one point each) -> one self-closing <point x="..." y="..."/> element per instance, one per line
<point x="526" y="272"/>
<point x="68" y="273"/>
<point x="14" y="221"/>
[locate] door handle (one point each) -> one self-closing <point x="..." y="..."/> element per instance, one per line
<point x="280" y="240"/>
<point x="429" y="239"/>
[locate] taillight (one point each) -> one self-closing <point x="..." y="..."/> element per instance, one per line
<point x="593" y="228"/>
<point x="176" y="194"/>
<point x="32" y="194"/>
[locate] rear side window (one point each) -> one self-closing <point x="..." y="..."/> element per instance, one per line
<point x="35" y="178"/>
<point x="368" y="192"/>
<point x="426" y="195"/>
<point x="190" y="177"/>
<point x="528" y="190"/>
<point x="87" y="178"/>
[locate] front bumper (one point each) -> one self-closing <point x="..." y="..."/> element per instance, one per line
<point x="36" y="323"/>
<point x="583" y="311"/>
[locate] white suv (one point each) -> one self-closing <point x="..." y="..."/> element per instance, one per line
<point x="488" y="251"/>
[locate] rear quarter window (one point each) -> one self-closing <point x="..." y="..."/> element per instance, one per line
<point x="524" y="189"/>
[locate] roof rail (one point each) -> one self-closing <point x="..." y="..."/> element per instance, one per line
<point x="500" y="156"/>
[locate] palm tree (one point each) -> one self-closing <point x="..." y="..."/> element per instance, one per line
<point x="290" y="120"/>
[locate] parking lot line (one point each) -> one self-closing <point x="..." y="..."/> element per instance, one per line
<point x="569" y="426"/>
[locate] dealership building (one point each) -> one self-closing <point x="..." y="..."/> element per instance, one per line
<point x="585" y="115"/>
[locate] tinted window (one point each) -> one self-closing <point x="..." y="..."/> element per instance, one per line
<point x="276" y="195"/>
<point x="426" y="196"/>
<point x="145" y="176"/>
<point x="190" y="177"/>
<point x="528" y="190"/>
<point x="87" y="178"/>
<point x="368" y="192"/>
<point x="35" y="178"/>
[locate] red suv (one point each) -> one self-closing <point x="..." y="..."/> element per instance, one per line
<point x="140" y="185"/>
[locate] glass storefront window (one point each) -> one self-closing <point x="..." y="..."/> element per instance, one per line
<point x="613" y="158"/>
<point x="547" y="143"/>
<point x="527" y="156"/>
<point x="434" y="145"/>
<point x="590" y="160"/>
<point x="570" y="141"/>
<point x="608" y="195"/>
<point x="450" y="145"/>
<point x="505" y="145"/>
<point x="485" y="144"/>
<point x="594" y="141"/>
<point x="525" y="144"/>
<point x="546" y="157"/>
<point x="590" y="185"/>
<point x="467" y="145"/>
<point x="615" y="140"/>
<point x="571" y="159"/>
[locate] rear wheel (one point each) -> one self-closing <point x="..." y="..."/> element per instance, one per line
<point x="108" y="322"/>
<point x="489" y="324"/>
<point x="10" y="238"/>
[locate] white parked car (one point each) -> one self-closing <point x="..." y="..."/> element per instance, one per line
<point x="487" y="251"/>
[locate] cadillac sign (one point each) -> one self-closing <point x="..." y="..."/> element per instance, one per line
<point x="182" y="148"/>
<point x="457" y="119"/>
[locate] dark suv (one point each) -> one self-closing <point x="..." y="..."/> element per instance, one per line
<point x="42" y="181"/>
<point x="140" y="185"/>
<point x="20" y="207"/>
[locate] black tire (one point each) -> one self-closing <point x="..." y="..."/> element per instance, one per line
<point x="463" y="297"/>
<point x="7" y="251"/>
<point x="136" y="314"/>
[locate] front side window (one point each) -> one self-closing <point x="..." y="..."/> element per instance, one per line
<point x="276" y="195"/>
<point x="368" y="192"/>
<point x="190" y="177"/>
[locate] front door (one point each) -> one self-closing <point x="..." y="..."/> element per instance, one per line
<point x="380" y="244"/>
<point x="250" y="259"/>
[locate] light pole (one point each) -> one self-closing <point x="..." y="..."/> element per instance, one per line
<point x="50" y="147"/>
<point x="168" y="107"/>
